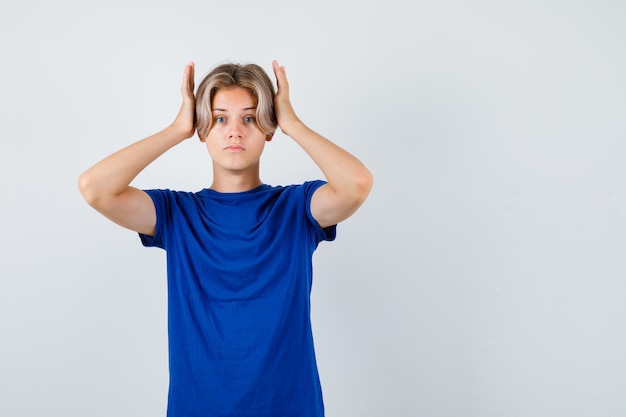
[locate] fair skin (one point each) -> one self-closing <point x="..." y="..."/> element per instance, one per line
<point x="235" y="144"/>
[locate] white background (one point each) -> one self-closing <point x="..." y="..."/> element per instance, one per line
<point x="485" y="275"/>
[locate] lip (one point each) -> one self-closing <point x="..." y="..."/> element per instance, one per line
<point x="234" y="148"/>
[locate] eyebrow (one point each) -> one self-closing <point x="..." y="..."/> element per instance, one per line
<point x="225" y="110"/>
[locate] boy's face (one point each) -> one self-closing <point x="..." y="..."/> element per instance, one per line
<point x="235" y="141"/>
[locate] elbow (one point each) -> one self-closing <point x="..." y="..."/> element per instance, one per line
<point x="86" y="188"/>
<point x="363" y="185"/>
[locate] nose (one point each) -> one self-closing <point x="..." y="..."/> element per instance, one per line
<point x="235" y="129"/>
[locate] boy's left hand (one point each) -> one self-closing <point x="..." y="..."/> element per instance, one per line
<point x="285" y="114"/>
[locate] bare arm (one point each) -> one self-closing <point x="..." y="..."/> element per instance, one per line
<point x="106" y="185"/>
<point x="349" y="181"/>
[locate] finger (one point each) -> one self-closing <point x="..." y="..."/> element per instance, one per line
<point x="276" y="68"/>
<point x="185" y="85"/>
<point x="281" y="76"/>
<point x="191" y="75"/>
<point x="188" y="79"/>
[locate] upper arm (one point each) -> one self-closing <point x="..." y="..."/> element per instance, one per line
<point x="132" y="209"/>
<point x="330" y="207"/>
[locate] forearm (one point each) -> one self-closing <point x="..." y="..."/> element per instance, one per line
<point x="349" y="180"/>
<point x="113" y="175"/>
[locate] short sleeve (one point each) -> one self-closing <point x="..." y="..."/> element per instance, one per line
<point x="328" y="233"/>
<point x="161" y="200"/>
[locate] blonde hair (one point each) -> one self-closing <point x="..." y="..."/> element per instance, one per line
<point x="251" y="77"/>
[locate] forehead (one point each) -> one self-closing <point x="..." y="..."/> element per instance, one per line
<point x="233" y="98"/>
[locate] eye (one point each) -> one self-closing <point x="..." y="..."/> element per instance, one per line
<point x="249" y="119"/>
<point x="220" y="119"/>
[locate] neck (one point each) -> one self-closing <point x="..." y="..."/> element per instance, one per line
<point x="234" y="182"/>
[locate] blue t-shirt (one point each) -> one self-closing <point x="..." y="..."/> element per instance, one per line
<point x="239" y="269"/>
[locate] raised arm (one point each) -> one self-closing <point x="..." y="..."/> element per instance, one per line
<point x="106" y="185"/>
<point x="349" y="181"/>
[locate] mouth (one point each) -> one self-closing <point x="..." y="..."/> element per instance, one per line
<point x="234" y="148"/>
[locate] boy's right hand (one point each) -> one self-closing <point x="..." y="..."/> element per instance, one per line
<point x="185" y="120"/>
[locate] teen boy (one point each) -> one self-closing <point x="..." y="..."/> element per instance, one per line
<point x="239" y="252"/>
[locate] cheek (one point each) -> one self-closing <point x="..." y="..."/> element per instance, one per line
<point x="211" y="142"/>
